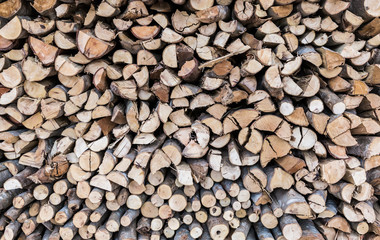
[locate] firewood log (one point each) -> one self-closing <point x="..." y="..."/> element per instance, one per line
<point x="292" y="202"/>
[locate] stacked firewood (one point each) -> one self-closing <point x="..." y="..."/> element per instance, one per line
<point x="187" y="119"/>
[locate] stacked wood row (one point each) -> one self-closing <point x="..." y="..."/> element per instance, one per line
<point x="190" y="119"/>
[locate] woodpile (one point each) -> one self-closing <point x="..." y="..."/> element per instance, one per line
<point x="190" y="119"/>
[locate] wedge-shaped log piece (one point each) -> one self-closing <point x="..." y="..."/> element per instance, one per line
<point x="101" y="181"/>
<point x="189" y="71"/>
<point x="20" y="180"/>
<point x="12" y="76"/>
<point x="36" y="158"/>
<point x="239" y="119"/>
<point x="173" y="150"/>
<point x="317" y="201"/>
<point x="273" y="83"/>
<point x="184" y="90"/>
<point x="251" y="139"/>
<point x="292" y="202"/>
<point x="6" y="44"/>
<point x="351" y="214"/>
<point x="145" y="32"/>
<point x="120" y="178"/>
<point x="159" y="160"/>
<point x="34" y="71"/>
<point x="151" y="124"/>
<point x="92" y="47"/>
<point x="332" y="170"/>
<point x="10" y="8"/>
<point x="338" y="130"/>
<point x="18" y="54"/>
<point x="13" y="29"/>
<point x="273" y="147"/>
<point x="45" y="8"/>
<point x="254" y="179"/>
<point x="368" y="126"/>
<point x="135" y="9"/>
<point x="292" y="66"/>
<point x="169" y="78"/>
<point x="278" y="178"/>
<point x="331" y="59"/>
<point x="291" y="164"/>
<point x="37" y="26"/>
<point x="46" y="53"/>
<point x="340" y="223"/>
<point x="212" y="14"/>
<point x="144" y="57"/>
<point x="194" y="150"/>
<point x="66" y="67"/>
<point x="184" y="23"/>
<point x="125" y="89"/>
